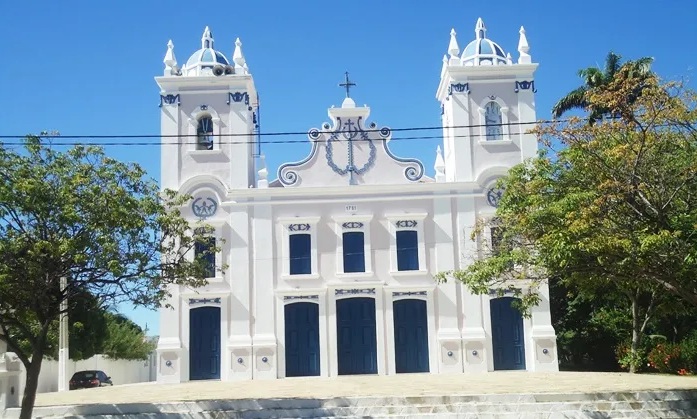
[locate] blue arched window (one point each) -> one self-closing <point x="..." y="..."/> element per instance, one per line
<point x="204" y="133"/>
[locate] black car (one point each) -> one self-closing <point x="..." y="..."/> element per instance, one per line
<point x="88" y="379"/>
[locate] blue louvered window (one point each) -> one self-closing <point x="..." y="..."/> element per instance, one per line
<point x="407" y="250"/>
<point x="300" y="249"/>
<point x="354" y="251"/>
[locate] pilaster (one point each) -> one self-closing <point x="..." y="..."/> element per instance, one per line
<point x="264" y="338"/>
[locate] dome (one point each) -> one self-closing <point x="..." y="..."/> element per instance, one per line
<point x="483" y="51"/>
<point x="203" y="61"/>
<point x="207" y="56"/>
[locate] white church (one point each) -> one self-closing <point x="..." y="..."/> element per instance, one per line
<point x="331" y="264"/>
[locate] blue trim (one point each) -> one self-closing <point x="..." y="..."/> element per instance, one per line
<point x="525" y="85"/>
<point x="459" y="88"/>
<point x="409" y="293"/>
<point x="169" y="100"/>
<point x="238" y="97"/>
<point x="200" y="209"/>
<point x="352" y="224"/>
<point x="300" y="297"/>
<point x="355" y="291"/>
<point x="290" y="177"/>
<point x="204" y="300"/>
<point x="299" y="227"/>
<point x="411" y="173"/>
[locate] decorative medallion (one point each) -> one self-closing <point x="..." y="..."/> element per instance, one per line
<point x="493" y="196"/>
<point x="409" y="293"/>
<point x="352" y="224"/>
<point x="204" y="107"/>
<point x="238" y="97"/>
<point x="492" y="97"/>
<point x="299" y="227"/>
<point x="525" y="85"/>
<point x="459" y="88"/>
<point x="193" y="301"/>
<point x="204" y="207"/>
<point x="350" y="134"/>
<point x="300" y="297"/>
<point x="169" y="100"/>
<point x="406" y="223"/>
<point x="355" y="291"/>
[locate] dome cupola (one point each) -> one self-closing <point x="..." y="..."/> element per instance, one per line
<point x="483" y="51"/>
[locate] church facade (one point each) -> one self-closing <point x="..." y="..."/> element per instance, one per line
<point x="330" y="263"/>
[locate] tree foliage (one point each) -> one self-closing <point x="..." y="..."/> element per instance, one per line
<point x="99" y="223"/>
<point x="595" y="78"/>
<point x="616" y="208"/>
<point x="125" y="339"/>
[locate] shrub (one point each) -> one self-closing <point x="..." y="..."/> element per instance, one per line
<point x="666" y="358"/>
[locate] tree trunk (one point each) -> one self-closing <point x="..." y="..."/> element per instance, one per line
<point x="32" y="381"/>
<point x="636" y="332"/>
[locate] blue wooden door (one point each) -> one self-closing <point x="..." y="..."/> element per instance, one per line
<point x="507" y="335"/>
<point x="356" y="336"/>
<point x="302" y="339"/>
<point x="204" y="343"/>
<point x="410" y="336"/>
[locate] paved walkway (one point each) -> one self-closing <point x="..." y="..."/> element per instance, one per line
<point x="392" y="385"/>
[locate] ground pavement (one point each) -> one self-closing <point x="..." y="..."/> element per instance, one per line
<point x="375" y="386"/>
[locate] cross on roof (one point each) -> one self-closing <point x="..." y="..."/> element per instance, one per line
<point x="347" y="84"/>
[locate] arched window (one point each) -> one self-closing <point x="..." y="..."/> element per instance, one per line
<point x="493" y="121"/>
<point x="204" y="133"/>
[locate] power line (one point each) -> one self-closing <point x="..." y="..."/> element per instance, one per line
<point x="158" y="143"/>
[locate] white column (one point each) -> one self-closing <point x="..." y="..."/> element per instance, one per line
<point x="170" y="155"/>
<point x="171" y="363"/>
<point x="264" y="338"/>
<point x="63" y="349"/>
<point x="239" y="275"/>
<point x="474" y="339"/>
<point x="240" y="147"/>
<point x="448" y="334"/>
<point x="459" y="156"/>
<point x="541" y="347"/>
<point x="526" y="113"/>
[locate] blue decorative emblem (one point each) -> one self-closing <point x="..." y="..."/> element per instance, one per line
<point x="204" y="107"/>
<point x="409" y="293"/>
<point x="352" y="134"/>
<point x="406" y="223"/>
<point x="238" y="97"/>
<point x="204" y="207"/>
<point x="352" y="224"/>
<point x="525" y="85"/>
<point x="300" y="297"/>
<point x="459" y="88"/>
<point x="493" y="196"/>
<point x="355" y="291"/>
<point x="299" y="227"/>
<point x="193" y="301"/>
<point x="169" y="100"/>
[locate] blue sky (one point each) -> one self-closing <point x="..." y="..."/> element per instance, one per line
<point x="87" y="68"/>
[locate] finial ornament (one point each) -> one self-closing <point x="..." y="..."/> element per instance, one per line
<point x="170" y="60"/>
<point x="480" y="29"/>
<point x="523" y="48"/>
<point x="453" y="47"/>
<point x="237" y="55"/>
<point x="439" y="166"/>
<point x="347" y="84"/>
<point x="207" y="38"/>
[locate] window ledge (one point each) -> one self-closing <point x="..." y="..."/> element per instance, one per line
<point x="215" y="279"/>
<point x="300" y="277"/>
<point x="495" y="142"/>
<point x="354" y="275"/>
<point x="419" y="272"/>
<point x="202" y="155"/>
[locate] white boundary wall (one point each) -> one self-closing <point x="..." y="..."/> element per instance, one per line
<point x="121" y="371"/>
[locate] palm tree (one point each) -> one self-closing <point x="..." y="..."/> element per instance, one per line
<point x="595" y="78"/>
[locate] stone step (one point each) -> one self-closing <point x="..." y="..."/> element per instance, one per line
<point x="642" y="404"/>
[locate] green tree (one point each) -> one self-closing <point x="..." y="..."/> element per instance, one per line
<point x="595" y="78"/>
<point x="615" y="208"/>
<point x="125" y="339"/>
<point x="81" y="215"/>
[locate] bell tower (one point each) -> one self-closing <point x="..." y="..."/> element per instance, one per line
<point x="209" y="109"/>
<point x="487" y="105"/>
